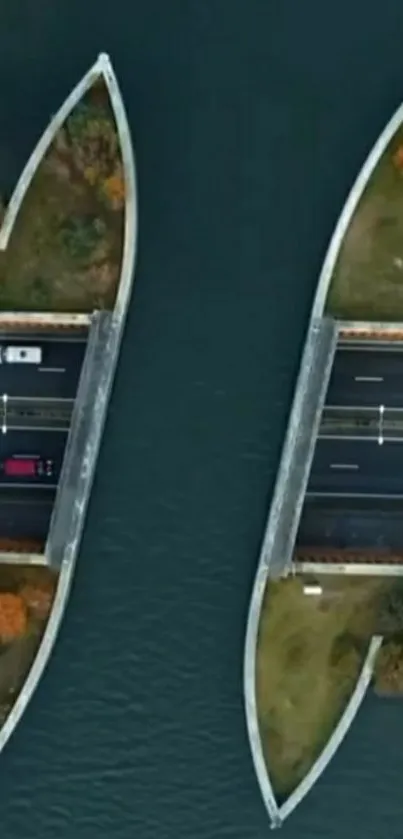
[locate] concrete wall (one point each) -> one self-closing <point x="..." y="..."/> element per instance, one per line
<point x="12" y="558"/>
<point x="353" y="569"/>
<point x="89" y="425"/>
<point x="299" y="446"/>
<point x="79" y="460"/>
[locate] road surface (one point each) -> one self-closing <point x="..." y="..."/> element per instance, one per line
<point x="56" y="377"/>
<point x="342" y="466"/>
<point x="24" y="514"/>
<point x="366" y="377"/>
<point x="337" y="523"/>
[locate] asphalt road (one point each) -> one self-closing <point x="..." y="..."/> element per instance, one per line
<point x="39" y="403"/>
<point x="353" y="525"/>
<point x="25" y="514"/>
<point x="369" y="378"/>
<point x="357" y="466"/>
<point x="56" y="377"/>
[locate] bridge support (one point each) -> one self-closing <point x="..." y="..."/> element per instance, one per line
<point x="299" y="446"/>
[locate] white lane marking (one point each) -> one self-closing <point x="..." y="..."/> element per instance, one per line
<point x="368" y="378"/>
<point x="344" y="466"/>
<point x="52" y="369"/>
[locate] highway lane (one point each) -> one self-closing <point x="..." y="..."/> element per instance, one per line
<point x="25" y="514"/>
<point x="46" y="444"/>
<point x="53" y="335"/>
<point x="57" y="376"/>
<point x="366" y="377"/>
<point x="357" y="466"/>
<point x="356" y="524"/>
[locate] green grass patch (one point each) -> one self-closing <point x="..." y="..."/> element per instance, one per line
<point x="310" y="651"/>
<point x="368" y="279"/>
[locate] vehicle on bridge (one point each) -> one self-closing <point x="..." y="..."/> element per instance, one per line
<point x="21" y="355"/>
<point x="22" y="466"/>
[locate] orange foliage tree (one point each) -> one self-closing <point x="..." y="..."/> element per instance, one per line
<point x="13" y="617"/>
<point x="94" y="145"/>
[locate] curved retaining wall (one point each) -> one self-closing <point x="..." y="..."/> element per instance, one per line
<point x="266" y="559"/>
<point x="111" y="351"/>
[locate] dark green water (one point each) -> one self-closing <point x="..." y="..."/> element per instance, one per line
<point x="250" y="121"/>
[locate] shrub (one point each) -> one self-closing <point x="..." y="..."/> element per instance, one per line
<point x="389" y="667"/>
<point x="80" y="235"/>
<point x="342" y="646"/>
<point x="390" y="612"/>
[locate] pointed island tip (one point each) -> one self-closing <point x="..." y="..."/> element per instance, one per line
<point x="104" y="60"/>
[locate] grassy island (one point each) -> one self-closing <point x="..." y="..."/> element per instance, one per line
<point x="309" y="654"/>
<point x="368" y="278"/>
<point x="65" y="250"/>
<point x="63" y="255"/>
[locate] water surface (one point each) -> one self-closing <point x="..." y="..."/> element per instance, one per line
<point x="250" y="121"/>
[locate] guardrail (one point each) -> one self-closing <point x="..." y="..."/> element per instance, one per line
<point x="69" y="496"/>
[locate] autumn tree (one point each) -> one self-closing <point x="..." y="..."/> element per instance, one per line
<point x="94" y="145"/>
<point x="13" y="617"/>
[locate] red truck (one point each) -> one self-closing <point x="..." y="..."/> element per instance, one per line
<point x="21" y="466"/>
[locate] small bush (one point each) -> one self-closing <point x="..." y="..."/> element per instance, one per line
<point x="80" y="235"/>
<point x="390" y="612"/>
<point x="342" y="646"/>
<point x="389" y="667"/>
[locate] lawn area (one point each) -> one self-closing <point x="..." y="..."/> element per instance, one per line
<point x="26" y="596"/>
<point x="368" y="279"/>
<point x="310" y="651"/>
<point x="65" y="250"/>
